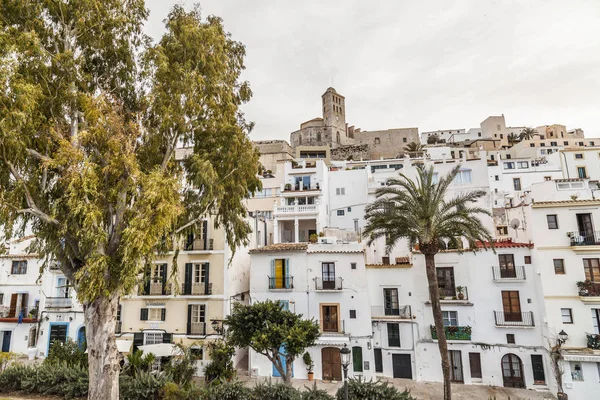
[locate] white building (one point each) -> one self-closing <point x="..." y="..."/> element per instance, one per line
<point x="326" y="282"/>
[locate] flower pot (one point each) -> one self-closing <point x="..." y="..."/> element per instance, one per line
<point x="311" y="376"/>
<point x="461" y="296"/>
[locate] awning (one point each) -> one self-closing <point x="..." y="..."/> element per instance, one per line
<point x="332" y="341"/>
<point x="162" y="349"/>
<point x="124" y="346"/>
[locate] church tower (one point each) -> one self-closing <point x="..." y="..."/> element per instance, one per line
<point x="334" y="118"/>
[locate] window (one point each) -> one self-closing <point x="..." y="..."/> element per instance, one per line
<point x="497" y="127"/>
<point x="509" y="165"/>
<point x="32" y="336"/>
<point x="1" y="299"/>
<point x="330" y="318"/>
<point x="581" y="172"/>
<point x="475" y="365"/>
<point x="517" y="183"/>
<point x="450" y="318"/>
<point x="390" y="300"/>
<point x="547" y="178"/>
<point x="328" y="275"/>
<point x="531" y="144"/>
<point x="576" y="372"/>
<point x="527" y="259"/>
<point x="596" y="320"/>
<point x="377" y="141"/>
<point x="435" y="178"/>
<point x="591" y="267"/>
<point x="463" y="177"/>
<point x="522" y="164"/>
<point x="19" y="267"/>
<point x="542" y="152"/>
<point x="566" y="143"/>
<point x="579" y="156"/>
<point x="496" y="177"/>
<point x="352" y="265"/>
<point x="153" y="338"/>
<point x="340" y="213"/>
<point x="510" y="338"/>
<point x="567" y="315"/>
<point x="508" y="156"/>
<point x="393" y="335"/>
<point x="352" y="314"/>
<point x="552" y="220"/>
<point x="156" y="314"/>
<point x="559" y="266"/>
<point x="349" y="209"/>
<point x="592" y="144"/>
<point x="403" y="140"/>
<point x="198" y="311"/>
<point x="553" y="144"/>
<point x="285" y="305"/>
<point x="542" y="144"/>
<point x="340" y="191"/>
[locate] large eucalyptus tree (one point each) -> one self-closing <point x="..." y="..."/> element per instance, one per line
<point x="422" y="212"/>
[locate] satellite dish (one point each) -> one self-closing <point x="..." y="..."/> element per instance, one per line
<point x="515" y="223"/>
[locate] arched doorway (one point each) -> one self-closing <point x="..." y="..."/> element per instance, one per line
<point x="338" y="137"/>
<point x="81" y="341"/>
<point x="331" y="364"/>
<point x="512" y="371"/>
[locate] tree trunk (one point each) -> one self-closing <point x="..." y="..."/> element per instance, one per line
<point x="103" y="356"/>
<point x="439" y="322"/>
<point x="287" y="378"/>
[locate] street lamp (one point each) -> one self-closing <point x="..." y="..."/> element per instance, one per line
<point x="562" y="337"/>
<point x="345" y="359"/>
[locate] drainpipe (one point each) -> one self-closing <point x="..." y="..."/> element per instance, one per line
<point x="566" y="166"/>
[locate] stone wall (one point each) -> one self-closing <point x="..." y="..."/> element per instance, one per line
<point x="356" y="151"/>
<point x="387" y="143"/>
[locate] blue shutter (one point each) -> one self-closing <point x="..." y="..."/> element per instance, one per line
<point x="287" y="274"/>
<point x="272" y="276"/>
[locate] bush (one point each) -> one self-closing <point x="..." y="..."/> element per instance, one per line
<point x="142" y="386"/>
<point x="359" y="389"/>
<point x="312" y="393"/>
<point x="275" y="391"/>
<point x="226" y="391"/>
<point x="181" y="369"/>
<point x="58" y="379"/>
<point x="68" y="353"/>
<point x="6" y="358"/>
<point x="138" y="362"/>
<point x="221" y="365"/>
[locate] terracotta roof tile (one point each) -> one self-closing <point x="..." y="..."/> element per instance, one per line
<point x="280" y="247"/>
<point x="506" y="244"/>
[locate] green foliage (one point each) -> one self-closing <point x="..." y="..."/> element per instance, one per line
<point x="220" y="367"/>
<point x="359" y="389"/>
<point x="267" y="390"/>
<point x="68" y="353"/>
<point x="414" y="149"/>
<point x="267" y="328"/>
<point x="143" y="386"/>
<point x="55" y="379"/>
<point x="308" y="361"/>
<point x="312" y="393"/>
<point x="433" y="139"/>
<point x="182" y="368"/>
<point x="138" y="362"/>
<point x="527" y="133"/>
<point x="6" y="358"/>
<point x="227" y="391"/>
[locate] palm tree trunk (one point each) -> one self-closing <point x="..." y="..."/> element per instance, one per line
<point x="438" y="321"/>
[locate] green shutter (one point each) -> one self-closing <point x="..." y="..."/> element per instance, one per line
<point x="187" y="286"/>
<point x="138" y="340"/>
<point x="167" y="338"/>
<point x="189" y="320"/>
<point x="357" y="359"/>
<point x="143" y="314"/>
<point x="288" y="284"/>
<point x="163" y="314"/>
<point x="206" y="275"/>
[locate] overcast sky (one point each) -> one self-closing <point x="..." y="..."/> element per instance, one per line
<point x="426" y="64"/>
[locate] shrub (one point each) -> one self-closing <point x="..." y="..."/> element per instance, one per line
<point x="359" y="389"/>
<point x="6" y="358"/>
<point x="226" y="391"/>
<point x="221" y="365"/>
<point x="59" y="379"/>
<point x="67" y="352"/>
<point x="312" y="393"/>
<point x="138" y="362"/>
<point x="268" y="390"/>
<point x="142" y="386"/>
<point x="182" y="368"/>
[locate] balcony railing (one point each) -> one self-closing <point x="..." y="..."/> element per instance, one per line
<point x="453" y="332"/>
<point x="588" y="288"/>
<point x="155" y="289"/>
<point x="285" y="282"/>
<point x="199" y="245"/>
<point x="59" y="302"/>
<point x="593" y="341"/>
<point x="332" y="325"/>
<point x="401" y="312"/>
<point x="509" y="274"/>
<point x="118" y="326"/>
<point x="585" y="238"/>
<point x="196" y="289"/>
<point x="297" y="187"/>
<point x="296" y="209"/>
<point x="196" y="328"/>
<point x="514" y="319"/>
<point x="335" y="284"/>
<point x="457" y="293"/>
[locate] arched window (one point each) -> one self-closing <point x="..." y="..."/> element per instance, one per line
<point x="338" y="137"/>
<point x="81" y="340"/>
<point x="318" y="136"/>
<point x="512" y="371"/>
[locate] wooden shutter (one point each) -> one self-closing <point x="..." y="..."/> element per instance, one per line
<point x="205" y="234"/>
<point x="475" y="364"/>
<point x="13" y="305"/>
<point x="147" y="276"/>
<point x="511" y="305"/>
<point x="138" y="340"/>
<point x="272" y="277"/>
<point x="163" y="314"/>
<point x="163" y="277"/>
<point x="189" y="320"/>
<point x="24" y="301"/>
<point x="206" y="275"/>
<point x="187" y="286"/>
<point x="287" y="274"/>
<point x="143" y="314"/>
<point x="167" y="338"/>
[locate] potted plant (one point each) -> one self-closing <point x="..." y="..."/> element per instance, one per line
<point x="459" y="291"/>
<point x="309" y="365"/>
<point x="584" y="287"/>
<point x="313" y="238"/>
<point x="33" y="313"/>
<point x="288" y="186"/>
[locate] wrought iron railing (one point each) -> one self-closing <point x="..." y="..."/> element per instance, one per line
<point x="196" y="328"/>
<point x="516" y="273"/>
<point x="398" y="312"/>
<point x="59" y="302"/>
<point x="453" y="332"/>
<point x="593" y="341"/>
<point x="284" y="282"/>
<point x="585" y="238"/>
<point x="588" y="288"/>
<point x="196" y="289"/>
<point x="514" y="318"/>
<point x="456" y="293"/>
<point x="331" y="284"/>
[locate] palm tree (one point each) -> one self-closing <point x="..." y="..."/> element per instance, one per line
<point x="414" y="149"/>
<point x="419" y="211"/>
<point x="527" y="134"/>
<point x="512" y="138"/>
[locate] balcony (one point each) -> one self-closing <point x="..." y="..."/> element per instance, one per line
<point x="196" y="328"/>
<point x="155" y="289"/>
<point x="456" y="294"/>
<point x="453" y="332"/>
<point x="12" y="314"/>
<point x="281" y="283"/>
<point x="297" y="209"/>
<point x="509" y="274"/>
<point x="523" y="319"/>
<point x="199" y="245"/>
<point x="381" y="312"/>
<point x="118" y="326"/>
<point x="593" y="341"/>
<point x="59" y="302"/>
<point x="196" y="289"/>
<point x="335" y="284"/>
<point x="584" y="238"/>
<point x="589" y="292"/>
<point x="332" y="326"/>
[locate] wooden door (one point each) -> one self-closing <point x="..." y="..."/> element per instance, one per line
<point x="537" y="364"/>
<point x="331" y="364"/>
<point x="586" y="228"/>
<point x="511" y="305"/>
<point x="58" y="333"/>
<point x="12" y="312"/>
<point x="6" y="341"/>
<point x="512" y="371"/>
<point x="475" y="365"/>
<point x="378" y="360"/>
<point x="445" y="278"/>
<point x="330" y="318"/>
<point x="507" y="266"/>
<point x="328" y="275"/>
<point x="456" y="368"/>
<point x="402" y="366"/>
